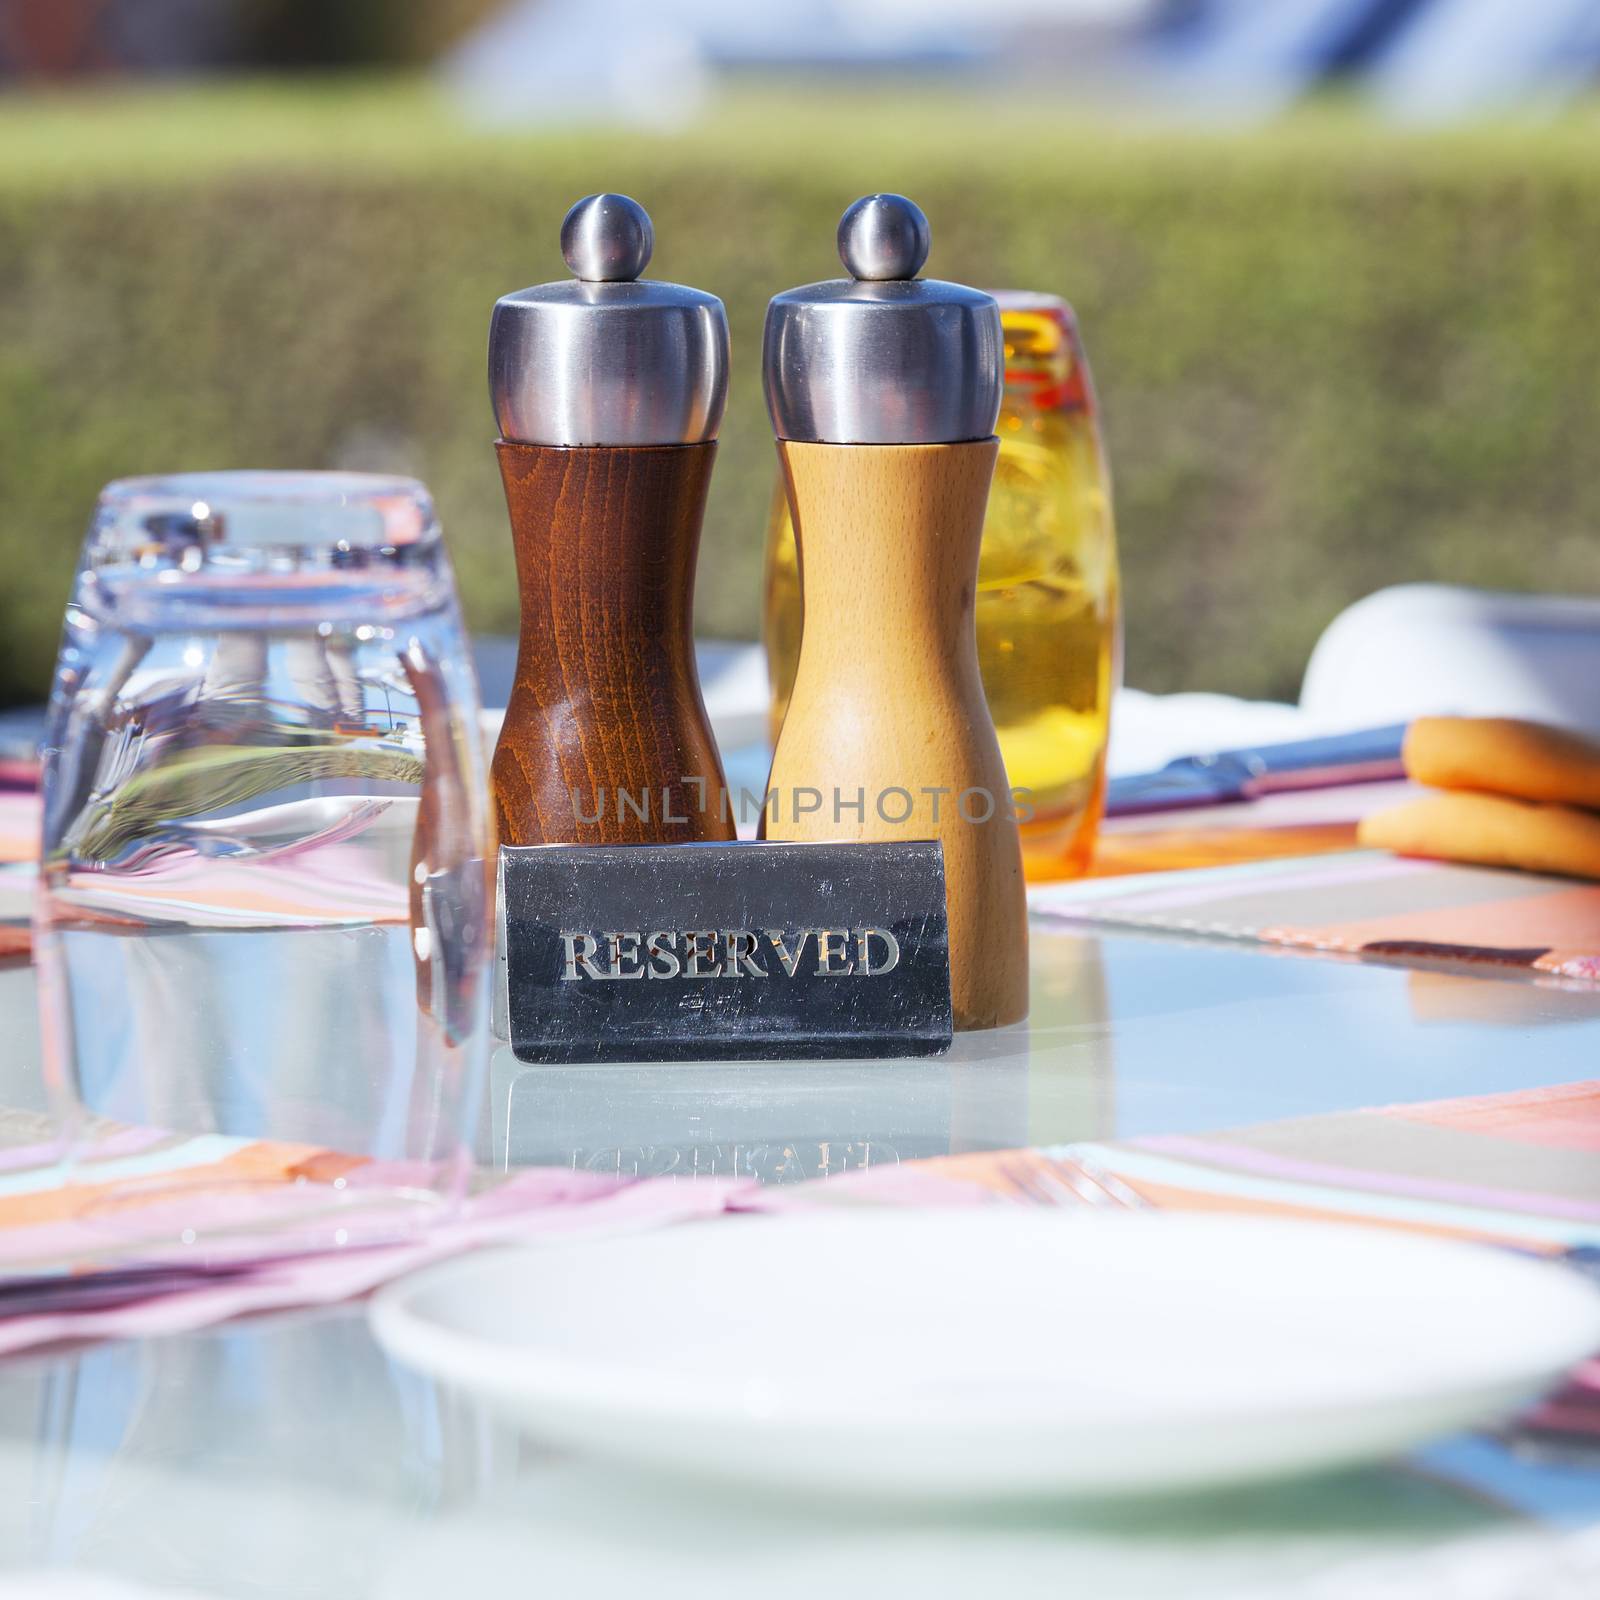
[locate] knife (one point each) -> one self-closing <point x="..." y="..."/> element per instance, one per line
<point x="1369" y="756"/>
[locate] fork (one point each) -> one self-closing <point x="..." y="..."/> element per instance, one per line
<point x="1068" y="1180"/>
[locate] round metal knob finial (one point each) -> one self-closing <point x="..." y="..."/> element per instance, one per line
<point x="607" y="238"/>
<point x="883" y="237"/>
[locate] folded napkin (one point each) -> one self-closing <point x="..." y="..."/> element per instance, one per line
<point x="67" y="1273"/>
<point x="527" y="1206"/>
<point x="1513" y="794"/>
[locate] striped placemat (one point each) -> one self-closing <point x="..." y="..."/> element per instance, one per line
<point x="1519" y="1169"/>
<point x="1360" y="902"/>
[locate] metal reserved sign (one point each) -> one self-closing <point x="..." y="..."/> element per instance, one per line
<point x="702" y="952"/>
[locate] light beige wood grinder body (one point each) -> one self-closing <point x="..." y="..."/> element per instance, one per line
<point x="888" y="704"/>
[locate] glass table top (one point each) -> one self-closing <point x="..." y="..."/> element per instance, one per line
<point x="289" y="1456"/>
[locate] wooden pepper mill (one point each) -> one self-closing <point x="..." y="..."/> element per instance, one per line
<point x="608" y="393"/>
<point x="884" y="390"/>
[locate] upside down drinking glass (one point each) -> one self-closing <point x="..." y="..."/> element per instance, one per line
<point x="264" y="906"/>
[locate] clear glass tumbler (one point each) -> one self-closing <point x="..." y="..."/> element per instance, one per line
<point x="265" y="896"/>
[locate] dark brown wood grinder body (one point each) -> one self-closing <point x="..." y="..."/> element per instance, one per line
<point x="606" y="738"/>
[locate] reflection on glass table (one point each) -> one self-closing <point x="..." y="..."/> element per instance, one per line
<point x="1130" y="1034"/>
<point x="788" y="1121"/>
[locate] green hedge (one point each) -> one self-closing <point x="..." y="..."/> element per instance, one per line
<point x="1329" y="358"/>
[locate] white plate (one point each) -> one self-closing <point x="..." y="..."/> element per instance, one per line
<point x="994" y="1352"/>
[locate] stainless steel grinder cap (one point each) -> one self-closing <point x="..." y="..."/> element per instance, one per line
<point x="883" y="356"/>
<point x="603" y="359"/>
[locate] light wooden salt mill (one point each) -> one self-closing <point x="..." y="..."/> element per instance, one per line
<point x="884" y="389"/>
